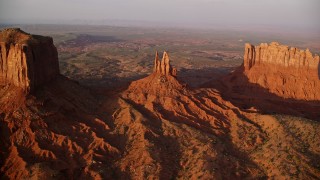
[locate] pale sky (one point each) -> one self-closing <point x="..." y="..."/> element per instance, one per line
<point x="304" y="14"/>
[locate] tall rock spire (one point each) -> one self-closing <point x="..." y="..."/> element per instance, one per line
<point x="156" y="63"/>
<point x="166" y="61"/>
<point x="163" y="67"/>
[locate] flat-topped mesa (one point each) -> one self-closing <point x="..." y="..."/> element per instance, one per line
<point x="27" y="61"/>
<point x="280" y="55"/>
<point x="286" y="72"/>
<point x="163" y="67"/>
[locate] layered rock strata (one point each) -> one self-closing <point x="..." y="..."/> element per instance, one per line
<point x="287" y="72"/>
<point x="27" y="61"/>
<point x="163" y="67"/>
<point x="280" y="55"/>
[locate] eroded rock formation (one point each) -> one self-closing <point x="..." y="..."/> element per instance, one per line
<point x="287" y="72"/>
<point x="281" y="55"/>
<point x="162" y="82"/>
<point x="27" y="61"/>
<point x="163" y="67"/>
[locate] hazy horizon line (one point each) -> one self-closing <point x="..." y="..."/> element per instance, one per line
<point x="163" y="24"/>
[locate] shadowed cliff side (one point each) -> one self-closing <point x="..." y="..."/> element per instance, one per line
<point x="269" y="83"/>
<point x="53" y="132"/>
<point x="27" y="61"/>
<point x="252" y="97"/>
<point x="274" y="79"/>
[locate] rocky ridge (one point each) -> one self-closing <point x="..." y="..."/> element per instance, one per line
<point x="27" y="61"/>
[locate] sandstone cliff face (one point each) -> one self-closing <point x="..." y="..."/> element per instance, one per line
<point x="287" y="72"/>
<point x="280" y="55"/>
<point x="27" y="61"/>
<point x="163" y="67"/>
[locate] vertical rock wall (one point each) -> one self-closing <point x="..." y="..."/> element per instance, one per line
<point x="280" y="55"/>
<point x="27" y="61"/>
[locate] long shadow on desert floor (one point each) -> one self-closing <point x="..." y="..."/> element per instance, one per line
<point x="246" y="96"/>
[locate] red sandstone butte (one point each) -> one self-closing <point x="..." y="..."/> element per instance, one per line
<point x="27" y="61"/>
<point x="287" y="72"/>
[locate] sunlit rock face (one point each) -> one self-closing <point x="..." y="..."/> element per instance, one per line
<point x="27" y="61"/>
<point x="287" y="72"/>
<point x="163" y="67"/>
